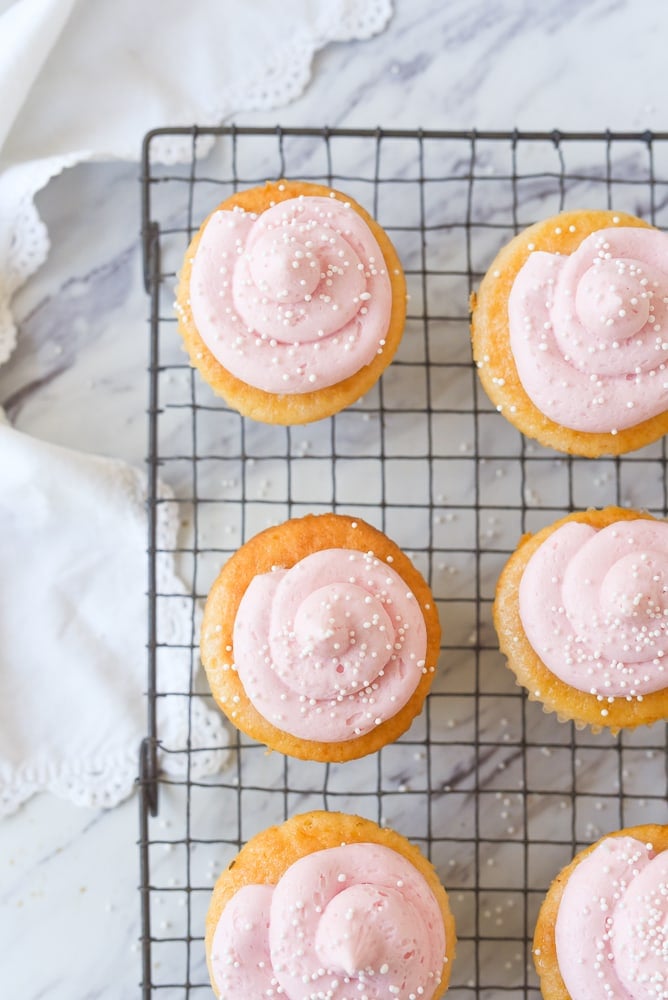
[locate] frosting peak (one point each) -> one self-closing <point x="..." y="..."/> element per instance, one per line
<point x="589" y="331"/>
<point x="356" y="925"/>
<point x="283" y="266"/>
<point x="611" y="302"/>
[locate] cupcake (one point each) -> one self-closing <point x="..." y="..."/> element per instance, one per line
<point x="320" y="638"/>
<point x="329" y="905"/>
<point x="602" y="931"/>
<point x="570" y="332"/>
<point x="291" y="301"/>
<point x="581" y="613"/>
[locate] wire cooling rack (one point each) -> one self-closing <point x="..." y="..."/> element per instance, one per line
<point x="497" y="793"/>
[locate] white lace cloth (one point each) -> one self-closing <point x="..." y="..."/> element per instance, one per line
<point x="73" y="630"/>
<point x="84" y="79"/>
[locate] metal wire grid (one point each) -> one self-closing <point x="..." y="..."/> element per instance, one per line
<point x="499" y="795"/>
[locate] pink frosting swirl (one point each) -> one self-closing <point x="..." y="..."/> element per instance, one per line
<point x="292" y="300"/>
<point x="589" y="332"/>
<point x="594" y="606"/>
<point x="357" y="920"/>
<point x="612" y="925"/>
<point x="332" y="647"/>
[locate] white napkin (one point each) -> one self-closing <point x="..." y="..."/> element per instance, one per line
<point x="73" y="630"/>
<point x="84" y="79"/>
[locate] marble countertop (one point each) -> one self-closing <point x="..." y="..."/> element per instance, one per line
<point x="70" y="906"/>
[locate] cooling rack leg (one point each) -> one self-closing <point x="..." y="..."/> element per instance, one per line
<point x="147" y="806"/>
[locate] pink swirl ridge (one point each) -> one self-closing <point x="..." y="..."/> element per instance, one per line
<point x="294" y="299"/>
<point x="612" y="925"/>
<point x="589" y="331"/>
<point x="331" y="647"/>
<point x="351" y="921"/>
<point x="594" y="606"/>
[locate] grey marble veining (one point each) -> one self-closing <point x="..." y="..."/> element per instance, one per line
<point x="78" y="377"/>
